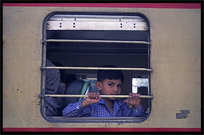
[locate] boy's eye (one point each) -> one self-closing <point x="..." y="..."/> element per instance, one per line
<point x="119" y="86"/>
<point x="111" y="84"/>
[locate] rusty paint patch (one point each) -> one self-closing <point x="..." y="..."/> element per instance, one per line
<point x="183" y="114"/>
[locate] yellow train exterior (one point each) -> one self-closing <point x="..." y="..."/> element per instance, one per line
<point x="175" y="60"/>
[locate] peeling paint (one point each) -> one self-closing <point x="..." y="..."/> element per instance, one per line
<point x="183" y="114"/>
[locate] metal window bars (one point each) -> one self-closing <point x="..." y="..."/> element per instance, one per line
<point x="105" y="96"/>
<point x="56" y="23"/>
<point x="98" y="68"/>
<point x="95" y="68"/>
<point x="97" y="41"/>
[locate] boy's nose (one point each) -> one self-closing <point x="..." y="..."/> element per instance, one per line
<point x="116" y="89"/>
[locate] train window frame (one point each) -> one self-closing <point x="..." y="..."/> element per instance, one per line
<point x="136" y="78"/>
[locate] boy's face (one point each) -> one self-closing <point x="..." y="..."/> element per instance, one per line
<point x="109" y="87"/>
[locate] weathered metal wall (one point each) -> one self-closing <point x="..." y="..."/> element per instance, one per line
<point x="175" y="59"/>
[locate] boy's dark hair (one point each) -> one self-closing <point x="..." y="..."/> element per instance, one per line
<point x="109" y="74"/>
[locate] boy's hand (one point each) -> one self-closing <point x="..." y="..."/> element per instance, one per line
<point x="92" y="98"/>
<point x="134" y="99"/>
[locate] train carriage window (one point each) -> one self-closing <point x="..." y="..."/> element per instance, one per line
<point x="76" y="45"/>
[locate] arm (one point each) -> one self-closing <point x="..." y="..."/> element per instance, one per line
<point x="138" y="112"/>
<point x="134" y="101"/>
<point x="75" y="110"/>
<point x="81" y="108"/>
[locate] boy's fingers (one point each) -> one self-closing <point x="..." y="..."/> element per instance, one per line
<point x="98" y="97"/>
<point x="93" y="95"/>
<point x="97" y="94"/>
<point x="89" y="94"/>
<point x="134" y="96"/>
<point x="138" y="96"/>
<point x="130" y="95"/>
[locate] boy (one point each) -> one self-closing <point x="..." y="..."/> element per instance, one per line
<point x="109" y="82"/>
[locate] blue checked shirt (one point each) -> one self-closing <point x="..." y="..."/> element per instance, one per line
<point x="100" y="109"/>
